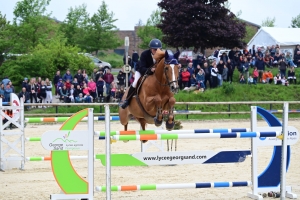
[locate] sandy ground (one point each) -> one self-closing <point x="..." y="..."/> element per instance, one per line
<point x="37" y="181"/>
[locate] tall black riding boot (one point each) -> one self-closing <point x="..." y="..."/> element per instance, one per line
<point x="128" y="98"/>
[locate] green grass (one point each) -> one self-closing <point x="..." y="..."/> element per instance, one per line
<point x="114" y="59"/>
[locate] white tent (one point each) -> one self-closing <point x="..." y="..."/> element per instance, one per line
<point x="286" y="38"/>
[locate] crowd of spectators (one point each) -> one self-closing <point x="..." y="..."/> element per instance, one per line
<point x="251" y="65"/>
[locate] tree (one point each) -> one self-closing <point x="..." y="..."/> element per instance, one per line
<point x="74" y="25"/>
<point x="101" y="31"/>
<point x="296" y="22"/>
<point x="250" y="32"/>
<point x="200" y="23"/>
<point x="32" y="25"/>
<point x="5" y="40"/>
<point x="268" y="22"/>
<point x="150" y="30"/>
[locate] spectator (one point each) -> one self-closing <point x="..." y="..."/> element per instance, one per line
<point x="185" y="77"/>
<point x="108" y="78"/>
<point x="100" y="85"/>
<point x="25" y="95"/>
<point x="25" y="83"/>
<point x="191" y="71"/>
<point x="284" y="81"/>
<point x="135" y="59"/>
<point x="75" y="83"/>
<point x="272" y="51"/>
<point x="92" y="86"/>
<point x="255" y="75"/>
<point x="277" y="58"/>
<point x="214" y="75"/>
<point x="86" y="94"/>
<point x="220" y="67"/>
<point x="49" y="91"/>
<point x="64" y="94"/>
<point x="201" y="59"/>
<point x="250" y="80"/>
<point x="71" y="94"/>
<point x="195" y="54"/>
<point x="68" y="76"/>
<point x="289" y="59"/>
<point x="132" y="78"/>
<point x="242" y="80"/>
<point x="121" y="79"/>
<point x="60" y="85"/>
<point x="43" y="93"/>
<point x="297" y="48"/>
<point x="68" y="84"/>
<point x="259" y="53"/>
<point x="230" y="72"/>
<point x="207" y="77"/>
<point x="180" y="70"/>
<point x="270" y="77"/>
<point x="268" y="60"/>
<point x="2" y="92"/>
<point x="79" y="77"/>
<point x="55" y="82"/>
<point x="77" y="91"/>
<point x="224" y="58"/>
<point x="282" y="67"/>
<point x="99" y="74"/>
<point x="297" y="59"/>
<point x="259" y="64"/>
<point x="245" y="68"/>
<point x="225" y="73"/>
<point x="291" y="76"/>
<point x="277" y="79"/>
<point x="79" y="99"/>
<point x="231" y="54"/>
<point x="11" y="86"/>
<point x="113" y="90"/>
<point x="7" y="91"/>
<point x="200" y="80"/>
<point x="197" y="69"/>
<point x="32" y="88"/>
<point x="5" y="81"/>
<point x="94" y="74"/>
<point x="252" y="51"/>
<point x="85" y="76"/>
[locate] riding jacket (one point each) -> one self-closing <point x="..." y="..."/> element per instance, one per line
<point x="146" y="61"/>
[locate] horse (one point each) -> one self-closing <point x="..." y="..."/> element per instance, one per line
<point x="155" y="94"/>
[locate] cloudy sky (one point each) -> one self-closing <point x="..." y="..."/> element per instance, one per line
<point x="128" y="12"/>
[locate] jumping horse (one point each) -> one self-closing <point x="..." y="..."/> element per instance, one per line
<point x="155" y="94"/>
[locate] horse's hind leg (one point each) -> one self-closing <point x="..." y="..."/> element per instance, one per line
<point x="143" y="125"/>
<point x="170" y="121"/>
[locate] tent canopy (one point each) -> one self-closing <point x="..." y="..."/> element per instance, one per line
<point x="267" y="36"/>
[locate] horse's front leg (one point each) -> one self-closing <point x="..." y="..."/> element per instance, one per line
<point x="171" y="117"/>
<point x="159" y="116"/>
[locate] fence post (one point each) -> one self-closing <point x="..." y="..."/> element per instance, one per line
<point x="270" y="107"/>
<point x="56" y="110"/>
<point x="229" y="109"/>
<point x="187" y="108"/>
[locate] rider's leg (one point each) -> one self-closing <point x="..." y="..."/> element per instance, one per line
<point x="126" y="102"/>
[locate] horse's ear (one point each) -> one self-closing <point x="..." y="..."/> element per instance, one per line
<point x="166" y="55"/>
<point x="176" y="55"/>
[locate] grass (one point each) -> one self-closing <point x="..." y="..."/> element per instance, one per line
<point x="114" y="59"/>
<point x="226" y="93"/>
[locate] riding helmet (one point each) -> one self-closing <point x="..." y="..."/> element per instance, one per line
<point x="155" y="44"/>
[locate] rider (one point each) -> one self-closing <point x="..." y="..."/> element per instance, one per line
<point x="146" y="61"/>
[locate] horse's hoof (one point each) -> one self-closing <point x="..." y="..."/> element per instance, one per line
<point x="157" y="122"/>
<point x="144" y="141"/>
<point x="170" y="126"/>
<point x="125" y="141"/>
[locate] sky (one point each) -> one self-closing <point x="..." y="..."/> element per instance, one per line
<point x="128" y="12"/>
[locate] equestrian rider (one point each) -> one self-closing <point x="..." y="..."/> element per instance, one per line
<point x="146" y="61"/>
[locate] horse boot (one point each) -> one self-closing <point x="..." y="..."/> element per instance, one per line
<point x="128" y="98"/>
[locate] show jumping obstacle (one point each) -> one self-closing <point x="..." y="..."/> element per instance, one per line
<point x="260" y="136"/>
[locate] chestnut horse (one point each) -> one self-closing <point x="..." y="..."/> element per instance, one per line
<point x="155" y="94"/>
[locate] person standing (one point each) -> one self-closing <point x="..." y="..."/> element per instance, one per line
<point x="135" y="59"/>
<point x="108" y="78"/>
<point x="55" y="82"/>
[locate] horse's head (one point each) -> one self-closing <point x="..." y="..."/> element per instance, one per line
<point x="171" y="70"/>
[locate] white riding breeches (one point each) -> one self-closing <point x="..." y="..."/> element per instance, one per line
<point x="137" y="76"/>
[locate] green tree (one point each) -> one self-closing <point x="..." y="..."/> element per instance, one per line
<point x="150" y="30"/>
<point x="5" y="40"/>
<point x="101" y="31"/>
<point x="268" y="22"/>
<point x="32" y="25"/>
<point x="296" y="22"/>
<point x="44" y="60"/>
<point x="74" y="25"/>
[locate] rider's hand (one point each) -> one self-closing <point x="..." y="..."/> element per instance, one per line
<point x="153" y="69"/>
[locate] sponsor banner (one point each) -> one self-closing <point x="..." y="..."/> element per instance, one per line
<point x="65" y="140"/>
<point x="292" y="138"/>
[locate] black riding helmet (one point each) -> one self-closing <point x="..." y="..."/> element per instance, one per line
<point x="155" y="44"/>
